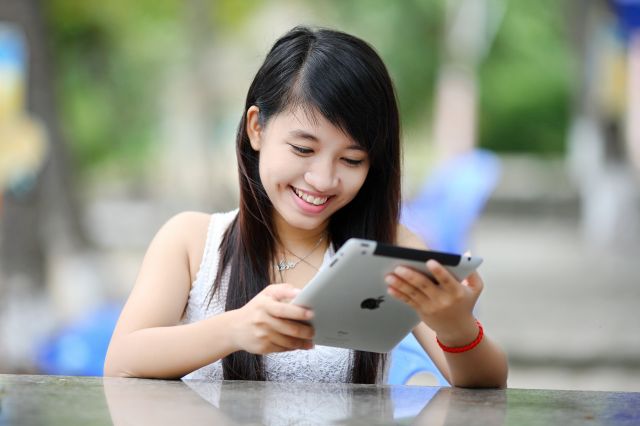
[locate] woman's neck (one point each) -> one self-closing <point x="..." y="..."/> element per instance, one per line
<point x="296" y="239"/>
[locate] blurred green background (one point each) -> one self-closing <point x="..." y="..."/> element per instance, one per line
<point x="112" y="60"/>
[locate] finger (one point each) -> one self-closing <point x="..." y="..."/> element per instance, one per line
<point x="273" y="330"/>
<point x="275" y="348"/>
<point x="282" y="292"/>
<point x="442" y="275"/>
<point x="405" y="293"/>
<point x="295" y="329"/>
<point x="290" y="343"/>
<point x="417" y="279"/>
<point x="474" y="282"/>
<point x="289" y="311"/>
<point x="403" y="286"/>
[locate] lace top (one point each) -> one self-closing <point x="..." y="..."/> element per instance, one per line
<point x="320" y="364"/>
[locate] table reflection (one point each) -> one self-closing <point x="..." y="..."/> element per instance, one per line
<point x="70" y="401"/>
<point x="274" y="403"/>
<point x="270" y="403"/>
<point x="232" y="403"/>
<point x="455" y="406"/>
<point x="158" y="402"/>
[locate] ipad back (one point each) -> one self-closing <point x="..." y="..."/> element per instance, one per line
<point x="349" y="296"/>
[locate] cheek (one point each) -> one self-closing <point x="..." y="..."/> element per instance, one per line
<point x="262" y="169"/>
<point x="274" y="169"/>
<point x="266" y="174"/>
<point x="266" y="165"/>
<point x="356" y="180"/>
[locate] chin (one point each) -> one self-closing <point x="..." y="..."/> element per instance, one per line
<point x="302" y="221"/>
<point x="308" y="224"/>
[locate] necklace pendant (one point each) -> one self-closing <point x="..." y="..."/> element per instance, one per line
<point x="283" y="265"/>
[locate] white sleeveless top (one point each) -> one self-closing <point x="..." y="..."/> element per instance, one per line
<point x="320" y="364"/>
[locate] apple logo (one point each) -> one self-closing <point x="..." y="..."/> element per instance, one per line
<point x="372" y="303"/>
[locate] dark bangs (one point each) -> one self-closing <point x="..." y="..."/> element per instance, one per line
<point x="337" y="80"/>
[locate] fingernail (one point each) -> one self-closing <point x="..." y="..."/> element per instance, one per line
<point x="308" y="314"/>
<point x="400" y="270"/>
<point x="389" y="279"/>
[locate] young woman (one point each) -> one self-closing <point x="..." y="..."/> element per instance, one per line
<point x="318" y="151"/>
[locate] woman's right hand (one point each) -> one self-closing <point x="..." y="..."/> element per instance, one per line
<point x="269" y="323"/>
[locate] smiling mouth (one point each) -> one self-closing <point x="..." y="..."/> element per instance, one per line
<point x="316" y="201"/>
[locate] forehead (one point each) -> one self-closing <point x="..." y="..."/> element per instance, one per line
<point x="307" y="123"/>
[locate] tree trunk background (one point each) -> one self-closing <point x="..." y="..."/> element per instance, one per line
<point x="46" y="218"/>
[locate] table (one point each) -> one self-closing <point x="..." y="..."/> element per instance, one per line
<point x="57" y="400"/>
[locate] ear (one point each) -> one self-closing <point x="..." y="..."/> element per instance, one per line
<point x="254" y="130"/>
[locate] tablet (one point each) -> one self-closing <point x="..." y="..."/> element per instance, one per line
<point x="352" y="308"/>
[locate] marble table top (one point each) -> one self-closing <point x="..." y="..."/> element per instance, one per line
<point x="57" y="400"/>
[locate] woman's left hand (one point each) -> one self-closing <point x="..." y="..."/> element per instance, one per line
<point x="443" y="303"/>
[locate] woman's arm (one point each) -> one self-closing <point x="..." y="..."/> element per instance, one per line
<point x="485" y="366"/>
<point x="148" y="340"/>
<point x="446" y="309"/>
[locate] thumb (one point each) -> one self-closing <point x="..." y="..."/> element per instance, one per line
<point x="473" y="281"/>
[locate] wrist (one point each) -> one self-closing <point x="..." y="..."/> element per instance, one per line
<point x="233" y="319"/>
<point x="459" y="334"/>
<point x="464" y="348"/>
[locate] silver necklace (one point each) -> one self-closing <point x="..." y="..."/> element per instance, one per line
<point x="285" y="264"/>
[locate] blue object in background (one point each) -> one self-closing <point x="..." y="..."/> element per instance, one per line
<point x="443" y="214"/>
<point x="407" y="359"/>
<point x="13" y="56"/>
<point x="79" y="349"/>
<point x="452" y="199"/>
<point x="628" y="15"/>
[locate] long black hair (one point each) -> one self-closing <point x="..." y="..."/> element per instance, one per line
<point x="343" y="78"/>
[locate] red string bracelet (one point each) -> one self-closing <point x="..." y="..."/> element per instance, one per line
<point x="459" y="349"/>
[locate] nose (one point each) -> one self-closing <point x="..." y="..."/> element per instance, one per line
<point x="323" y="178"/>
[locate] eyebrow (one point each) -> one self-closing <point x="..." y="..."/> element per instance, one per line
<point x="302" y="134"/>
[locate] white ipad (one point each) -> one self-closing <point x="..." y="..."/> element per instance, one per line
<point x="349" y="296"/>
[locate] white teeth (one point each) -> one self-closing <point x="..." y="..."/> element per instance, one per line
<point x="310" y="198"/>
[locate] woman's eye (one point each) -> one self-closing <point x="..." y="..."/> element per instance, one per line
<point x="351" y="162"/>
<point x="301" y="149"/>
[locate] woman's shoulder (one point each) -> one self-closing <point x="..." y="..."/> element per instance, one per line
<point x="193" y="225"/>
<point x="405" y="237"/>
<point x="188" y="224"/>
<point x="189" y="229"/>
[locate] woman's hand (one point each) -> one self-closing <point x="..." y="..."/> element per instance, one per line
<point x="443" y="303"/>
<point x="269" y="323"/>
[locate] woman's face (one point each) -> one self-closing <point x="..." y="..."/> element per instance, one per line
<point x="308" y="167"/>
